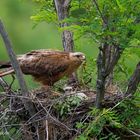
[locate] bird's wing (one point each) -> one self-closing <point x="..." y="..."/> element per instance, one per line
<point x="44" y="62"/>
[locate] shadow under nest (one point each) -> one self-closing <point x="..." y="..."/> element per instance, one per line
<point x="60" y="121"/>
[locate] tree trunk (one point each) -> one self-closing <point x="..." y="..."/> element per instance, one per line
<point x="100" y="83"/>
<point x="108" y="58"/>
<point x="134" y="81"/>
<point x="62" y="8"/>
<point x="106" y="61"/>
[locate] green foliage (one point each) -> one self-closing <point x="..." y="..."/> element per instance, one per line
<point x="131" y="117"/>
<point x="110" y="136"/>
<point x="98" y="121"/>
<point x="126" y="65"/>
<point x="115" y="19"/>
<point x="87" y="74"/>
<point x="65" y="106"/>
<point x="45" y="13"/>
<point x="43" y="16"/>
<point x="9" y="122"/>
<point x="111" y="123"/>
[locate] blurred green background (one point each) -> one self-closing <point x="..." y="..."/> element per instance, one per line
<point x="16" y="14"/>
<point x="16" y="17"/>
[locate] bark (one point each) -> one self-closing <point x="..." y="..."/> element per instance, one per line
<point x="134" y="81"/>
<point x="109" y="52"/>
<point x="113" y="54"/>
<point x="100" y="83"/>
<point x="106" y="61"/>
<point x="62" y="8"/>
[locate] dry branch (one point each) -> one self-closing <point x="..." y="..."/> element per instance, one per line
<point x="4" y="85"/>
<point x="8" y="45"/>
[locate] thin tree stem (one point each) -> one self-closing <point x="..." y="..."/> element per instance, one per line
<point x="8" y="45"/>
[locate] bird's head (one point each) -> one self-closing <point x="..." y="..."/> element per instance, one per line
<point x="78" y="56"/>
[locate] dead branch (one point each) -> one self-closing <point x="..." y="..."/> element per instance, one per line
<point x="4" y="85"/>
<point x="14" y="62"/>
<point x="8" y="45"/>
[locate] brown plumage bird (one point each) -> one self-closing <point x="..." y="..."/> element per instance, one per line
<point x="46" y="66"/>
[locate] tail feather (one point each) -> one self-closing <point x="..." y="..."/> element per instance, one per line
<point x="5" y="65"/>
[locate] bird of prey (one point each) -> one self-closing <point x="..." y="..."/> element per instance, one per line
<point x="46" y="66"/>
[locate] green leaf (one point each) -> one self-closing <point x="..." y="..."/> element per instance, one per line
<point x="122" y="9"/>
<point x="79" y="124"/>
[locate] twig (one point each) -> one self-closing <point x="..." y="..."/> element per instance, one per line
<point x="4" y="85"/>
<point x="13" y="79"/>
<point x="47" y="130"/>
<point x="13" y="59"/>
<point x="4" y="94"/>
<point x="101" y="15"/>
<point x="6" y="131"/>
<point x="134" y="133"/>
<point x="49" y="116"/>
